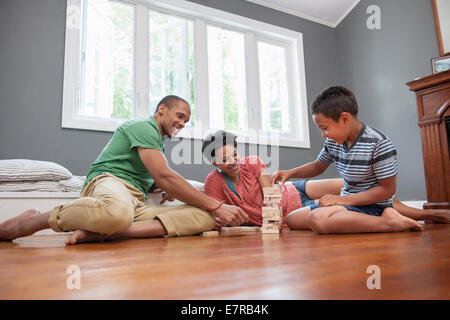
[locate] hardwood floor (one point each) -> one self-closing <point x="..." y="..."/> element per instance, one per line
<point x="292" y="265"/>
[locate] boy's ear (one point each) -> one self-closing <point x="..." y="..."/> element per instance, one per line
<point x="345" y="116"/>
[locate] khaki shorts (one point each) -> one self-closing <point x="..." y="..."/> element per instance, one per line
<point x="109" y="205"/>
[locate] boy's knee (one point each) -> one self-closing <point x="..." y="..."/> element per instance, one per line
<point x="290" y="221"/>
<point x="317" y="222"/>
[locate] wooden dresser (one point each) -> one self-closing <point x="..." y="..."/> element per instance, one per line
<point x="433" y="101"/>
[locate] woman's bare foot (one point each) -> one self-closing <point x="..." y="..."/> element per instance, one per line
<point x="399" y="222"/>
<point x="80" y="236"/>
<point x="18" y="226"/>
<point x="439" y="216"/>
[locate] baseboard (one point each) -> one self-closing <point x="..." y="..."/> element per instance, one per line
<point x="415" y="203"/>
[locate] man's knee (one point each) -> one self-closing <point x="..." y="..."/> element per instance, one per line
<point x="205" y="221"/>
<point x="195" y="221"/>
<point x="118" y="218"/>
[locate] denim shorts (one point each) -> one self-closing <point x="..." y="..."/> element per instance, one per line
<point x="301" y="188"/>
<point x="373" y="209"/>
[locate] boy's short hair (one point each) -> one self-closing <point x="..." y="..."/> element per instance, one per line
<point x="215" y="141"/>
<point x="169" y="100"/>
<point x="333" y="101"/>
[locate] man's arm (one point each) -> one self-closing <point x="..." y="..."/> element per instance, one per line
<point x="308" y="170"/>
<point x="384" y="191"/>
<point x="170" y="181"/>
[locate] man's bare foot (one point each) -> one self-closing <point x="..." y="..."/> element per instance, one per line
<point x="399" y="222"/>
<point x="80" y="236"/>
<point x="18" y="226"/>
<point x="438" y="216"/>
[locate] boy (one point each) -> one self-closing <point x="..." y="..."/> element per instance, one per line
<point x="367" y="162"/>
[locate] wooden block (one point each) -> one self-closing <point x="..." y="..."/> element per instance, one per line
<point x="225" y="230"/>
<point x="270" y="210"/>
<point x="249" y="229"/>
<point x="270" y="203"/>
<point x="210" y="234"/>
<point x="270" y="231"/>
<point x="239" y="229"/>
<point x="274" y="190"/>
<point x="272" y="222"/>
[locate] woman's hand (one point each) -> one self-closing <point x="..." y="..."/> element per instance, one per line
<point x="219" y="224"/>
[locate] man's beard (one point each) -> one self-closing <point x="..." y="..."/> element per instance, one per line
<point x="166" y="132"/>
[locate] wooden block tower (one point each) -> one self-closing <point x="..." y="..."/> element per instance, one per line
<point x="271" y="212"/>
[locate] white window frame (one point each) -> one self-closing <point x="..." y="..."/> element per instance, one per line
<point x="202" y="16"/>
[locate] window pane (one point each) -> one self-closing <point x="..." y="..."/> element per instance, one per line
<point x="226" y="65"/>
<point x="107" y="60"/>
<point x="274" y="87"/>
<point x="171" y="59"/>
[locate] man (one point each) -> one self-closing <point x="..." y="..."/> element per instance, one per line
<point x="118" y="182"/>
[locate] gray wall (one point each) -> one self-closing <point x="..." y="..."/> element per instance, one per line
<point x="374" y="64"/>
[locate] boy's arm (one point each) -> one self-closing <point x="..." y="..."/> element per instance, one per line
<point x="384" y="191"/>
<point x="308" y="170"/>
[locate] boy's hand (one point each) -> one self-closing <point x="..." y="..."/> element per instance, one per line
<point x="282" y="175"/>
<point x="329" y="200"/>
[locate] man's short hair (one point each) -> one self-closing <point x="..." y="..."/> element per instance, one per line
<point x="169" y="101"/>
<point x="215" y="141"/>
<point x="333" y="101"/>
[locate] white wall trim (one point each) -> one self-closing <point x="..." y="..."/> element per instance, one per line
<point x="333" y="24"/>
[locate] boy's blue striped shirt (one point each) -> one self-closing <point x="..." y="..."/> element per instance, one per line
<point x="370" y="158"/>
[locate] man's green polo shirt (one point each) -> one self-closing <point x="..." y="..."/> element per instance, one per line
<point x="120" y="156"/>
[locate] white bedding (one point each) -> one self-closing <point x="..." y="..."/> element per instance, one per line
<point x="74" y="184"/>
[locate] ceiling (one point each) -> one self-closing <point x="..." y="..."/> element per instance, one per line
<point x="327" y="12"/>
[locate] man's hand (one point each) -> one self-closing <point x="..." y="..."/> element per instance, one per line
<point x="166" y="197"/>
<point x="231" y="215"/>
<point x="329" y="200"/>
<point x="282" y="175"/>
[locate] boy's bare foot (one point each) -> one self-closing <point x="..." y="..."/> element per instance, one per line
<point x="80" y="236"/>
<point x="439" y="216"/>
<point x="399" y="222"/>
<point x="18" y="226"/>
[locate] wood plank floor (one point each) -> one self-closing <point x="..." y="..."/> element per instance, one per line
<point x="292" y="265"/>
